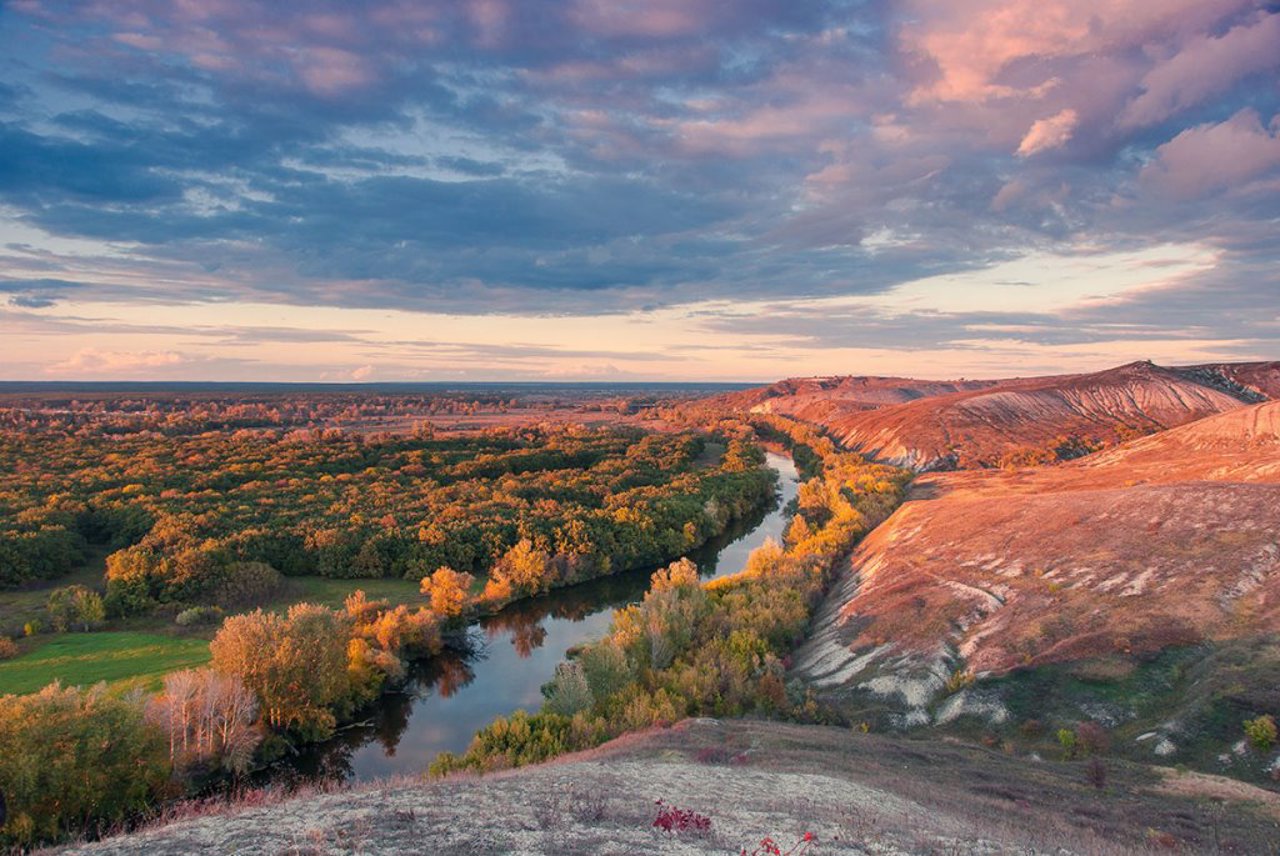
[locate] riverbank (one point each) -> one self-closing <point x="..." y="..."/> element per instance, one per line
<point x="512" y="654"/>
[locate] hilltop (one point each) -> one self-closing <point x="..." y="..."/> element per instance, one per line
<point x="856" y="793"/>
<point x="931" y="425"/>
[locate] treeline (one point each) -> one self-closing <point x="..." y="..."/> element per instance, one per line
<point x="87" y="413"/>
<point x="716" y="649"/>
<point x="177" y="413"/>
<point x="197" y="519"/>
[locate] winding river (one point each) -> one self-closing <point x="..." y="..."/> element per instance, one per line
<point x="513" y="654"/>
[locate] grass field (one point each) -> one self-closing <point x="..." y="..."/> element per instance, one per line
<point x="123" y="659"/>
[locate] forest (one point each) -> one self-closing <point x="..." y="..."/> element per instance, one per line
<point x="203" y="529"/>
<point x="211" y="519"/>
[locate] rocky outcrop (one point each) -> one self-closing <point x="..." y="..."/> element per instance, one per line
<point x="854" y="793"/>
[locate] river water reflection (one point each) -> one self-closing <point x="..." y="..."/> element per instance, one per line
<point x="515" y="653"/>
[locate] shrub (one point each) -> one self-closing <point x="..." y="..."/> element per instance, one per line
<point x="8" y="648"/>
<point x="198" y="615"/>
<point x="714" y="755"/>
<point x="958" y="680"/>
<point x="567" y="693"/>
<point x="1261" y="732"/>
<point x="1067" y="740"/>
<point x="513" y="741"/>
<point x="1093" y="739"/>
<point x="769" y="847"/>
<point x="1096" y="772"/>
<point x="672" y="820"/>
<point x="246" y="584"/>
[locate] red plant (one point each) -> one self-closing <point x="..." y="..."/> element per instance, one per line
<point x="769" y="847"/>
<point x="672" y="820"/>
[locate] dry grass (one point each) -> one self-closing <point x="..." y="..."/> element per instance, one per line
<point x="859" y="794"/>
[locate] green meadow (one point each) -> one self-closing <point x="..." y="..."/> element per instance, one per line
<point x="124" y="659"/>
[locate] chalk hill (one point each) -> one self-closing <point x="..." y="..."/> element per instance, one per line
<point x="929" y="425"/>
<point x="1165" y="540"/>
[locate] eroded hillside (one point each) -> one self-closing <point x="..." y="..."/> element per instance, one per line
<point x="943" y="425"/>
<point x="1167" y="541"/>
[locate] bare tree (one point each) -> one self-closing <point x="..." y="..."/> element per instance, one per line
<point x="207" y="716"/>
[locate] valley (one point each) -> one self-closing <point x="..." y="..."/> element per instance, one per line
<point x="758" y="428"/>
<point x="1106" y="611"/>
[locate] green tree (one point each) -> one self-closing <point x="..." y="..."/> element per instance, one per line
<point x="1261" y="732"/>
<point x="75" y="606"/>
<point x="74" y="761"/>
<point x="296" y="665"/>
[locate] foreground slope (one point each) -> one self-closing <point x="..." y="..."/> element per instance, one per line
<point x="856" y="793"/>
<point x="942" y="425"/>
<point x="1169" y="540"/>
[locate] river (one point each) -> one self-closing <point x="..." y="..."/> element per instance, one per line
<point x="514" y="653"/>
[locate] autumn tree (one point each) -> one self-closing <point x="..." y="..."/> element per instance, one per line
<point x="448" y="590"/>
<point x="296" y="664"/>
<point x="207" y="716"/>
<point x="524" y="568"/>
<point x="74" y="762"/>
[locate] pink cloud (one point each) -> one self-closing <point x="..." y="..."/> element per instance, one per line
<point x="757" y="128"/>
<point x="333" y="71"/>
<point x="970" y="44"/>
<point x="95" y="361"/>
<point x="1212" y="157"/>
<point x="490" y="19"/>
<point x="1205" y="66"/>
<point x="1050" y="133"/>
<point x="326" y="49"/>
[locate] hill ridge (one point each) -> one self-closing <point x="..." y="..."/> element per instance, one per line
<point x="932" y="425"/>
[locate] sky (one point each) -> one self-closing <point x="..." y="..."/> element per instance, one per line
<point x="624" y="190"/>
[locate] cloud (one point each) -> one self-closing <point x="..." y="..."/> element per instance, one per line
<point x="971" y="50"/>
<point x="1205" y="66"/>
<point x="1049" y="133"/>
<point x="95" y="361"/>
<point x="581" y="158"/>
<point x="1212" y="157"/>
